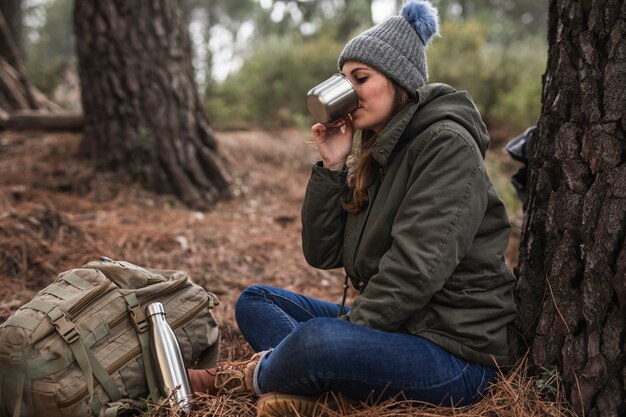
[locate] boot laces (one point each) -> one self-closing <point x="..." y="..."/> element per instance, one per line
<point x="236" y="377"/>
<point x="230" y="380"/>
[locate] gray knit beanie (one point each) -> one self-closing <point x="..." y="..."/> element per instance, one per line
<point x="397" y="47"/>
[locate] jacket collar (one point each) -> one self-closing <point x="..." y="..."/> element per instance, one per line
<point x="389" y="136"/>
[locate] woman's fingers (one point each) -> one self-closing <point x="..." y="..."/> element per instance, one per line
<point x="334" y="142"/>
<point x="332" y="129"/>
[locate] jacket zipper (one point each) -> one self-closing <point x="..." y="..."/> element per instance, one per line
<point x="136" y="352"/>
<point x="366" y="216"/>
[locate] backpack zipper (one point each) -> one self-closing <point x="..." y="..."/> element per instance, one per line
<point x="172" y="288"/>
<point x="136" y="352"/>
<point x="88" y="298"/>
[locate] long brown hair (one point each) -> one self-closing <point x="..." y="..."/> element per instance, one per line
<point x="362" y="168"/>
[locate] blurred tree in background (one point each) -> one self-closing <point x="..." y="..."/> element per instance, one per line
<point x="48" y="42"/>
<point x="143" y="113"/>
<point x="12" y="12"/>
<point x="255" y="60"/>
<point x="16" y="92"/>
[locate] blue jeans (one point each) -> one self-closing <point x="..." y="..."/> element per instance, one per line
<point x="311" y="351"/>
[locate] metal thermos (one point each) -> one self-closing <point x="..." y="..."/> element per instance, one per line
<point x="332" y="99"/>
<point x="168" y="360"/>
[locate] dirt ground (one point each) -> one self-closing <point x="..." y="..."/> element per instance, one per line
<point x="56" y="213"/>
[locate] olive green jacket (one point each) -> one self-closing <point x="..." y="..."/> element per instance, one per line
<point x="427" y="254"/>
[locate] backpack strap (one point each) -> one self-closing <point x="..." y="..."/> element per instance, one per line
<point x="140" y="322"/>
<point x="18" y="388"/>
<point x="115" y="409"/>
<point x="122" y="407"/>
<point x="70" y="334"/>
<point x="38" y="305"/>
<point x="25" y="323"/>
<point x="103" y="377"/>
<point x="83" y="355"/>
<point x="12" y="385"/>
<point x="78" y="282"/>
<point x="59" y="292"/>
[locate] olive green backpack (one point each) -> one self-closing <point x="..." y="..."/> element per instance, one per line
<point x="81" y="347"/>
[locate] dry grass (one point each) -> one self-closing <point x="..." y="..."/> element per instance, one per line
<point x="514" y="394"/>
<point x="56" y="214"/>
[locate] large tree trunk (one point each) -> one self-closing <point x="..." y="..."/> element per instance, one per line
<point x="572" y="275"/>
<point x="142" y="110"/>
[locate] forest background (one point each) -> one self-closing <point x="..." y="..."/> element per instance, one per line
<point x="254" y="61"/>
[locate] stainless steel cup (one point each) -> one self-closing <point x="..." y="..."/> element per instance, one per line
<point x="332" y="99"/>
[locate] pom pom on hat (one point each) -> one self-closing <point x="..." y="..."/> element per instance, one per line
<point x="423" y="17"/>
<point x="397" y="47"/>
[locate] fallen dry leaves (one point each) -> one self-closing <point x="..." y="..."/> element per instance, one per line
<point x="57" y="214"/>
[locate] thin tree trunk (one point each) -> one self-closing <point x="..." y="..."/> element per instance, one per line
<point x="572" y="275"/>
<point x="142" y="110"/>
<point x="10" y="52"/>
<point x="12" y="12"/>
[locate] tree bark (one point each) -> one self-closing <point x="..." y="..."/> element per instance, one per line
<point x="572" y="275"/>
<point x="142" y="109"/>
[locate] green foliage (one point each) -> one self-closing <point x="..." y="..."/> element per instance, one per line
<point x="549" y="381"/>
<point x="494" y="49"/>
<point x="505" y="17"/>
<point x="500" y="171"/>
<point x="270" y="89"/>
<point x="519" y="106"/>
<point x="503" y="79"/>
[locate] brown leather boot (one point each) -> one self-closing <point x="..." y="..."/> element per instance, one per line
<point x="275" y="404"/>
<point x="226" y="378"/>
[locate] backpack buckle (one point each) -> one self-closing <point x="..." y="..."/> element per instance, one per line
<point x="137" y="315"/>
<point x="139" y="319"/>
<point x="64" y="327"/>
<point x="15" y="358"/>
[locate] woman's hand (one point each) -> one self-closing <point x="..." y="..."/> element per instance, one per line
<point x="334" y="142"/>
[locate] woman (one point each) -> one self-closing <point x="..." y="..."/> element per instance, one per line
<point x="415" y="222"/>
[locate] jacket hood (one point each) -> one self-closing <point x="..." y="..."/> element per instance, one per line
<point x="440" y="101"/>
<point x="435" y="102"/>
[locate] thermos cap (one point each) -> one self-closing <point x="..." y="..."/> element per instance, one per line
<point x="155" y="308"/>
